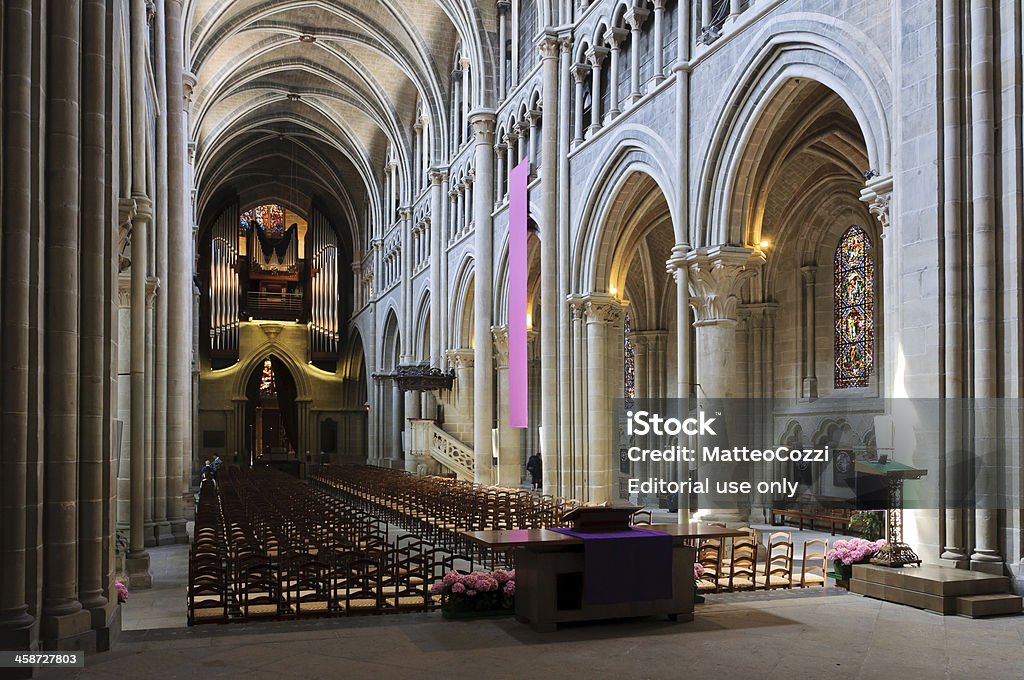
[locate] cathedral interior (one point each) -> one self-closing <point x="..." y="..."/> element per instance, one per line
<point x="281" y="235"/>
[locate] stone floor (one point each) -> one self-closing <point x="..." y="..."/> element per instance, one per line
<point x="801" y="634"/>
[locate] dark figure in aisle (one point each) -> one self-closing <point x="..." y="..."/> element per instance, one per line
<point x="533" y="466"/>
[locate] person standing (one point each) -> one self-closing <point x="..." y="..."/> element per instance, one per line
<point x="533" y="466"/>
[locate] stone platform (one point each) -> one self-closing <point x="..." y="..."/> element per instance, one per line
<point x="942" y="590"/>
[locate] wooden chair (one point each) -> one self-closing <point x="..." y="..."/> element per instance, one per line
<point x="778" y="564"/>
<point x="642" y="517"/>
<point x="709" y="556"/>
<point x="307" y="589"/>
<point x="742" y="569"/>
<point x="814" y="564"/>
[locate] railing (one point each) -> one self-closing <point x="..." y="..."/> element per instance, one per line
<point x="451" y="453"/>
<point x="275" y="306"/>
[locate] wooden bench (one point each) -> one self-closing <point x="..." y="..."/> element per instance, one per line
<point x="811" y="513"/>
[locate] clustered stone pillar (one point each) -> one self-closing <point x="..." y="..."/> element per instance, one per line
<point x="549" y="290"/>
<point x="57" y="327"/>
<point x="510" y="463"/>
<point x="604" y="322"/>
<point x="437" y="178"/>
<point x="716" y="278"/>
<point x="483" y="296"/>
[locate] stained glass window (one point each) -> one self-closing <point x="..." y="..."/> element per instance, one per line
<point x="269" y="218"/>
<point x="854" y="309"/>
<point x="267" y="384"/>
<point x="629" y="364"/>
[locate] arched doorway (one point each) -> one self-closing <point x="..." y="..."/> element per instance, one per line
<point x="271" y="415"/>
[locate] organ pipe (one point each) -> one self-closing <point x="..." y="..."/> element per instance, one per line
<point x="224" y="285"/>
<point x="324" y="320"/>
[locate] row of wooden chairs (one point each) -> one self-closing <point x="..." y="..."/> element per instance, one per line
<point x="733" y="566"/>
<point x="267" y="546"/>
<point x="439" y="508"/>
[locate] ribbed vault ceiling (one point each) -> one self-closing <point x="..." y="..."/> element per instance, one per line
<point x="303" y="98"/>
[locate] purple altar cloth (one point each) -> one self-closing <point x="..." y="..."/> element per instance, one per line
<point x="625" y="566"/>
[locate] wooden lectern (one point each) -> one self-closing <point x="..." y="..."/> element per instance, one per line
<point x="596" y="519"/>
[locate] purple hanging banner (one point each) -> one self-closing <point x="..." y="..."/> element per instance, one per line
<point x="518" y="208"/>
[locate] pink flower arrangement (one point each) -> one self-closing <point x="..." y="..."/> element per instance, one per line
<point x="122" y="591"/>
<point x="698" y="570"/>
<point x="478" y="589"/>
<point x="854" y="551"/>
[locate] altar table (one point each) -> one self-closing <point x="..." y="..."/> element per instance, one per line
<point x="550" y="573"/>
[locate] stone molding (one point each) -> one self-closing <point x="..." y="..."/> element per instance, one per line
<point x="459" y="358"/>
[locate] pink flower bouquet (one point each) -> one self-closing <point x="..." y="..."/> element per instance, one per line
<point x="122" y="591"/>
<point x="698" y="570"/>
<point x="477" y="591"/>
<point x="854" y="551"/>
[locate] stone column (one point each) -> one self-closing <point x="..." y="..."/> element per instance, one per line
<point x="137" y="562"/>
<point x="566" y="413"/>
<point x="457" y="122"/>
<point x="954" y="547"/>
<point x="16" y="624"/>
<point x="574" y="474"/>
<point x="396" y="454"/>
<point x="985" y="286"/>
<point x="522" y="137"/>
<point x="179" y="286"/>
<point x="716" y="278"/>
<point x="810" y="380"/>
<point x="437" y="177"/>
<point x="96" y="262"/>
<point x="615" y="36"/>
<point x="152" y="286"/>
<point x="635" y="17"/>
<point x="603" y="313"/>
<point x="734" y="10"/>
<point x="62" y="617"/>
<point x="596" y="56"/>
<point x="412" y="410"/>
<point x="579" y="74"/>
<point x="483" y="295"/>
<point x="408" y="255"/>
<point x="510" y="455"/>
<point x="659" y="41"/>
<point x="549" y="255"/>
<point x="503" y="10"/>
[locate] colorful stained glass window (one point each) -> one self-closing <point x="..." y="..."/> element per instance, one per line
<point x="854" y="309"/>
<point x="269" y="218"/>
<point x="629" y="363"/>
<point x="267" y="384"/>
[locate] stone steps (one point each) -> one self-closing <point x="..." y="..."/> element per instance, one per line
<point x="995" y="604"/>
<point x="939" y="589"/>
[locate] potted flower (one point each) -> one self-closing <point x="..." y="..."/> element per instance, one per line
<point x="122" y="591"/>
<point x="477" y="594"/>
<point x="698" y="571"/>
<point x="845" y="554"/>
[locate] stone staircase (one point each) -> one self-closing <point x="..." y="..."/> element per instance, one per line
<point x="451" y="453"/>
<point x="943" y="590"/>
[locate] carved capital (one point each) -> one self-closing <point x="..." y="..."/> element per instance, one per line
<point x="500" y="336"/>
<point x="188" y="86"/>
<point x="596" y="56"/>
<point x="483" y="121"/>
<point x="717" y="276"/>
<point x="580" y="73"/>
<point x="438" y="175"/>
<point x="124" y="290"/>
<point x="548" y="46"/>
<point x="878" y="195"/>
<point x="152" y="286"/>
<point x="615" y="36"/>
<point x="603" y="308"/>
<point x="808" y="273"/>
<point x="636" y="17"/>
<point x="504" y="7"/>
<point x="459" y="358"/>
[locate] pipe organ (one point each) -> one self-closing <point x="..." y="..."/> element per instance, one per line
<point x="322" y="255"/>
<point x="224" y="286"/>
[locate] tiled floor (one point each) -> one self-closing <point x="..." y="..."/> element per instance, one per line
<point x="808" y="634"/>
